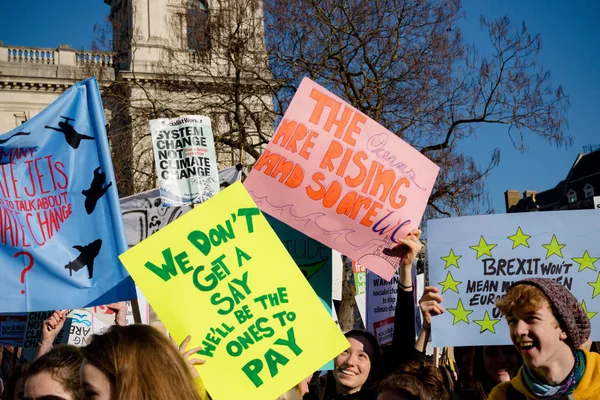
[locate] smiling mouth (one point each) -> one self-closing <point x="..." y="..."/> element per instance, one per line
<point x="347" y="373"/>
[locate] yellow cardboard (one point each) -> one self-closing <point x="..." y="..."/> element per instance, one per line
<point x="221" y="274"/>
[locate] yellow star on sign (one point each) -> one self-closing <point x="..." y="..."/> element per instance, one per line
<point x="590" y="314"/>
<point x="553" y="247"/>
<point x="451" y="259"/>
<point x="487" y="324"/>
<point x="483" y="248"/>
<point x="460" y="314"/>
<point x="449" y="283"/>
<point x="586" y="261"/>
<point x="596" y="286"/>
<point x="519" y="239"/>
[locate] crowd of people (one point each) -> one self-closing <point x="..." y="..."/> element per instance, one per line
<point x="550" y="357"/>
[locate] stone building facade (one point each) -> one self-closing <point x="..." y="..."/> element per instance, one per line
<point x="168" y="58"/>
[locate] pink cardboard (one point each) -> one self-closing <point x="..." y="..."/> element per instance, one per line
<point x="341" y="178"/>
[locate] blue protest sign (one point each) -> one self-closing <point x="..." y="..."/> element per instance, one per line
<point x="61" y="229"/>
<point x="474" y="260"/>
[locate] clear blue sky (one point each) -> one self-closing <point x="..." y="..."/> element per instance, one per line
<point x="569" y="34"/>
<point x="570" y="38"/>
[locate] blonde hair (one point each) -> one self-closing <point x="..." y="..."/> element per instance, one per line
<point x="292" y="394"/>
<point x="141" y="363"/>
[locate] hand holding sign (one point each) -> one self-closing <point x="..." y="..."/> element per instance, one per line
<point x="407" y="249"/>
<point x="341" y="178"/>
<point x="51" y="327"/>
<point x="430" y="305"/>
<point x="258" y="312"/>
<point x="186" y="354"/>
<point x="120" y="310"/>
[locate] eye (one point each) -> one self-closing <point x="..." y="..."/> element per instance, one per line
<point x="89" y="394"/>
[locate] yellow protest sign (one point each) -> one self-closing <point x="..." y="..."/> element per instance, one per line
<point x="221" y="274"/>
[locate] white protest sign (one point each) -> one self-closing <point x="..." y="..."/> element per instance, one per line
<point x="474" y="260"/>
<point x="185" y="158"/>
<point x="381" y="306"/>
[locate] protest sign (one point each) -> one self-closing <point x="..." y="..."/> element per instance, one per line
<point x="185" y="159"/>
<point x="342" y="179"/>
<point x="33" y="333"/>
<point x="473" y="261"/>
<point x="61" y="229"/>
<point x="12" y="329"/>
<point x="221" y="274"/>
<point x="381" y="306"/>
<point x="360" y="277"/>
<point x="144" y="214"/>
<point x="313" y="258"/>
<point x="337" y="272"/>
<point x="86" y="322"/>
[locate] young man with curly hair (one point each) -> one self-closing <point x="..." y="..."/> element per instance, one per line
<point x="548" y="327"/>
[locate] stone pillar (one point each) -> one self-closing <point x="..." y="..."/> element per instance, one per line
<point x="3" y="52"/>
<point x="66" y="55"/>
<point x="511" y="198"/>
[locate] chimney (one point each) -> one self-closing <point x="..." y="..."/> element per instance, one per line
<point x="511" y="198"/>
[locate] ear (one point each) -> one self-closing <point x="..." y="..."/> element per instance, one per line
<point x="563" y="335"/>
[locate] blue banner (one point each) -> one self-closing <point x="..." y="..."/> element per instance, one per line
<point x="61" y="229"/>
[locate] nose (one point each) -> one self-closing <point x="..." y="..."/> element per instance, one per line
<point x="521" y="328"/>
<point x="352" y="360"/>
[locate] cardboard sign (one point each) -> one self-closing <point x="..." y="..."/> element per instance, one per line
<point x="474" y="260"/>
<point x="381" y="307"/>
<point x="33" y="333"/>
<point x="360" y="277"/>
<point x="185" y="158"/>
<point x="313" y="258"/>
<point x="342" y="179"/>
<point x="12" y="329"/>
<point x="337" y="275"/>
<point x="221" y="274"/>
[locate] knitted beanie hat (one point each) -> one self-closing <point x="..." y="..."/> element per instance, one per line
<point x="567" y="310"/>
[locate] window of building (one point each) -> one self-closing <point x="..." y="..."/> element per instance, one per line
<point x="198" y="32"/>
<point x="572" y="196"/>
<point x="588" y="191"/>
<point x="21" y="118"/>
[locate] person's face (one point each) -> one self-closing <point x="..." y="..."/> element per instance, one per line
<point x="43" y="386"/>
<point x="352" y="367"/>
<point x="304" y="385"/>
<point x="96" y="385"/>
<point x="500" y="362"/>
<point x="537" y="336"/>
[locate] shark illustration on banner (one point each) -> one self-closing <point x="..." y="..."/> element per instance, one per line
<point x="61" y="229"/>
<point x="474" y="260"/>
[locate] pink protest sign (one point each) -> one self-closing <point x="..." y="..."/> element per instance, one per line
<point x="341" y="178"/>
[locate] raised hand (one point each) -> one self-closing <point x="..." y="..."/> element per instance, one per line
<point x="50" y="330"/>
<point x="191" y="362"/>
<point x="430" y="305"/>
<point x="120" y="310"/>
